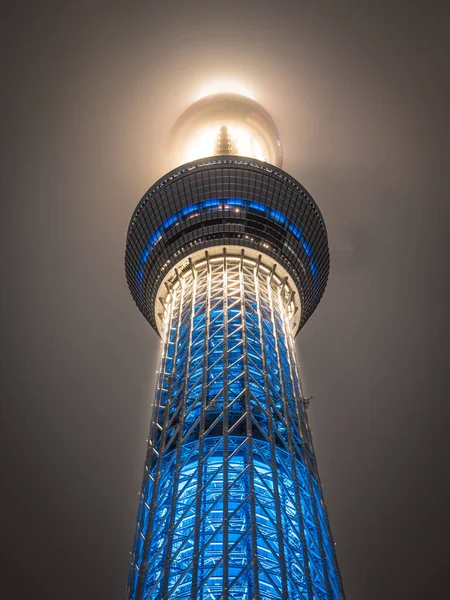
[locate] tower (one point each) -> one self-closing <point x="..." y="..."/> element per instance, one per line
<point x="227" y="258"/>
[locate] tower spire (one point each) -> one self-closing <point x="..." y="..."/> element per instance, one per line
<point x="225" y="144"/>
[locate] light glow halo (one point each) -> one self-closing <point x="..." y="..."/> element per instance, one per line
<point x="250" y="127"/>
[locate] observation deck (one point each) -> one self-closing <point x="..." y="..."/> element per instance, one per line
<point x="227" y="201"/>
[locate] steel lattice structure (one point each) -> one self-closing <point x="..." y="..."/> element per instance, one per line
<point x="227" y="258"/>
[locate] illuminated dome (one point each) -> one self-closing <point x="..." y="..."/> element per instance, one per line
<point x="225" y="124"/>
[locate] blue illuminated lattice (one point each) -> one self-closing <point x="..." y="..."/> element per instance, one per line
<point x="231" y="497"/>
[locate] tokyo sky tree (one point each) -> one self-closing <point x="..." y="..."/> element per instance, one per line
<point x="227" y="258"/>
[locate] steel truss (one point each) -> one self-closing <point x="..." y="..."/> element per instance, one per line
<point x="231" y="505"/>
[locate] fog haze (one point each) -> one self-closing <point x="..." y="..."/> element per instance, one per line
<point x="359" y="91"/>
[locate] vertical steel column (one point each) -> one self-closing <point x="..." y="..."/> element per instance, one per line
<point x="256" y="594"/>
<point x="151" y="452"/>
<point x="302" y="420"/>
<point x="295" y="375"/>
<point x="292" y="452"/>
<point x="167" y="565"/>
<point x="273" y="458"/>
<point x="225" y="427"/>
<point x="198" y="501"/>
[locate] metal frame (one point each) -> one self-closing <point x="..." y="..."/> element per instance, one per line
<point x="231" y="505"/>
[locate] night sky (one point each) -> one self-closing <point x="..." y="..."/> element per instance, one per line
<point x="89" y="93"/>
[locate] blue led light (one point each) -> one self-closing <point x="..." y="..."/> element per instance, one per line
<point x="188" y="210"/>
<point x="235" y="201"/>
<point x="277" y="216"/>
<point x="257" y="206"/>
<point x="214" y="203"/>
<point x="170" y="221"/>
<point x="307" y="248"/>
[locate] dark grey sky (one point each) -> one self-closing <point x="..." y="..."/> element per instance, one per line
<point x="358" y="90"/>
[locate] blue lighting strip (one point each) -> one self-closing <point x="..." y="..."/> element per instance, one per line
<point x="213" y="205"/>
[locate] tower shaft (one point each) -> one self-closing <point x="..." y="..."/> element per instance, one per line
<point x="231" y="505"/>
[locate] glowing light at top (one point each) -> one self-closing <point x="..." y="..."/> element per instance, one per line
<point x="248" y="128"/>
<point x="224" y="85"/>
